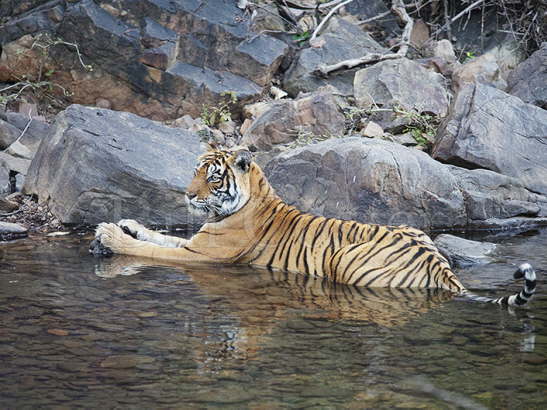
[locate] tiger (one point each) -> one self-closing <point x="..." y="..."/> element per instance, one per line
<point x="248" y="223"/>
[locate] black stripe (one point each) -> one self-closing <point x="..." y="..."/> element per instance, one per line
<point x="304" y="233"/>
<point x="419" y="253"/>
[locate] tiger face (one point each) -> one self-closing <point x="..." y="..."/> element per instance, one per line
<point x="221" y="185"/>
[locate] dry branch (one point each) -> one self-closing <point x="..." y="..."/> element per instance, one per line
<point x="327" y="18"/>
<point x="459" y="15"/>
<point x="399" y="9"/>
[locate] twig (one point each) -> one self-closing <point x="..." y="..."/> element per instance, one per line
<point x="459" y="15"/>
<point x="447" y="20"/>
<point x="387" y="13"/>
<point x="327" y="17"/>
<point x="398" y="8"/>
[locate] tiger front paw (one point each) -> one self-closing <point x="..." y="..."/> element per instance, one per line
<point x="109" y="239"/>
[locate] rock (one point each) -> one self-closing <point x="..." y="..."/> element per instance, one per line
<point x="407" y="139"/>
<point x="483" y="69"/>
<point x="11" y="163"/>
<point x="528" y="80"/>
<point x="490" y="129"/>
<point x="366" y="9"/>
<point x="372" y="130"/>
<point x="343" y="41"/>
<point x="18" y="150"/>
<point x="160" y="59"/>
<point x="36" y="130"/>
<point x="100" y="165"/>
<point x="369" y="180"/>
<point x="7" y="206"/>
<point x="10" y="231"/>
<point x="103" y="103"/>
<point x="227" y="127"/>
<point x="491" y="195"/>
<point x="317" y="114"/>
<point x="419" y="34"/>
<point x="403" y="84"/>
<point x="441" y="49"/>
<point x="463" y="252"/>
<point x="8" y="134"/>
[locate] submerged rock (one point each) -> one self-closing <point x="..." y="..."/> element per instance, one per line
<point x="487" y="128"/>
<point x="101" y="165"/>
<point x="463" y="252"/>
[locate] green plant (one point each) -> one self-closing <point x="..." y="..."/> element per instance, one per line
<point x="469" y="55"/>
<point x="422" y="126"/>
<point x="301" y="38"/>
<point x="212" y="116"/>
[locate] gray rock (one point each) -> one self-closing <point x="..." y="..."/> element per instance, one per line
<point x="34" y="133"/>
<point x="369" y="180"/>
<point x="316" y="114"/>
<point x="8" y="134"/>
<point x="528" y="80"/>
<point x="343" y="41"/>
<point x="487" y="128"/>
<point x="11" y="163"/>
<point x="402" y="83"/>
<point x="9" y="231"/>
<point x="491" y="195"/>
<point x="101" y="165"/>
<point x="463" y="252"/>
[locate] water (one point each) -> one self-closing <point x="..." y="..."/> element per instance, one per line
<point x="122" y="333"/>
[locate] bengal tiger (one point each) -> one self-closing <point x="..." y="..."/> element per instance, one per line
<point x="247" y="223"/>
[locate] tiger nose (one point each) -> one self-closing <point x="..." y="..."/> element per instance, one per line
<point x="191" y="195"/>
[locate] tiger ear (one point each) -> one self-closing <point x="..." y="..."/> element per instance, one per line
<point x="212" y="146"/>
<point x="242" y="159"/>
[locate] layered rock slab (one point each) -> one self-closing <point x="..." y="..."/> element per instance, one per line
<point x="487" y="128"/>
<point x="99" y="165"/>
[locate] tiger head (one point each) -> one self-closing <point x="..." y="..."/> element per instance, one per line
<point x="221" y="183"/>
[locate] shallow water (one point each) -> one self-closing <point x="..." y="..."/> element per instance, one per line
<point x="84" y="332"/>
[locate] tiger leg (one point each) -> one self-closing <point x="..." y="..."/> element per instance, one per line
<point x="111" y="237"/>
<point x="140" y="232"/>
<point x="395" y="261"/>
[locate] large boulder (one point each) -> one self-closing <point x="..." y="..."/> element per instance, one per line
<point x="490" y="129"/>
<point x="371" y="181"/>
<point x="528" y="80"/>
<point x="316" y="114"/>
<point x="160" y="59"/>
<point x="100" y="165"/>
<point x="339" y="41"/>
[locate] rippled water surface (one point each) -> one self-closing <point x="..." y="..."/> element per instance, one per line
<point x="77" y="331"/>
